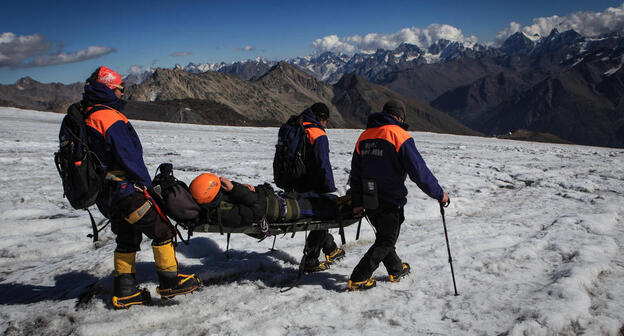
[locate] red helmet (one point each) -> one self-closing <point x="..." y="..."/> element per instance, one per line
<point x="205" y="188"/>
<point x="109" y="78"/>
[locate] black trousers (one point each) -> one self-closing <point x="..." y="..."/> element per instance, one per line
<point x="386" y="220"/>
<point x="318" y="240"/>
<point x="129" y="236"/>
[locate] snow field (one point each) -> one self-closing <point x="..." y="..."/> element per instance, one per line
<point x="535" y="230"/>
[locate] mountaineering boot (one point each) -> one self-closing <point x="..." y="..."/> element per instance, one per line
<point x="336" y="255"/>
<point x="317" y="266"/>
<point x="125" y="290"/>
<point x="171" y="283"/>
<point x="361" y="285"/>
<point x="127" y="293"/>
<point x="396" y="277"/>
<point x="311" y="265"/>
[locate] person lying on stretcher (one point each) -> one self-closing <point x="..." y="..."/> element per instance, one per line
<point x="235" y="205"/>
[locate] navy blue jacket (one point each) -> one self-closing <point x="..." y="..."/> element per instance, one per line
<point x="319" y="176"/>
<point x="115" y="142"/>
<point x="386" y="153"/>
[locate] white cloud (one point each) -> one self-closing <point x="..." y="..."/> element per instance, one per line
<point x="62" y="57"/>
<point x="181" y="54"/>
<point x="370" y="42"/>
<point x="247" y="48"/>
<point x="34" y="51"/>
<point x="332" y="43"/>
<point x="513" y="28"/>
<point x="15" y="49"/>
<point x="586" y="23"/>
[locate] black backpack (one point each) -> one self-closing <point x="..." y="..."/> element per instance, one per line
<point x="79" y="167"/>
<point x="289" y="160"/>
<point x="174" y="196"/>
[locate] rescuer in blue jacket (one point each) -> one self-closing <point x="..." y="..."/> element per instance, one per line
<point x="319" y="177"/>
<point x="319" y="180"/>
<point x="385" y="154"/>
<point x="124" y="198"/>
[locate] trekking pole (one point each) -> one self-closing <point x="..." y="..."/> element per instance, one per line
<point x="442" y="206"/>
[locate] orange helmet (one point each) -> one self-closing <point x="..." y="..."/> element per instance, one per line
<point x="205" y="188"/>
<point x="109" y="78"/>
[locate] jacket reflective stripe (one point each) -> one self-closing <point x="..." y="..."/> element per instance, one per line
<point x="392" y="133"/>
<point x="137" y="214"/>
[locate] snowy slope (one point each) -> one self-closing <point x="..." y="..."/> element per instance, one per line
<point x="536" y="232"/>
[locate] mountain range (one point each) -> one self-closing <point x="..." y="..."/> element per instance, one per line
<point x="28" y="93"/>
<point x="283" y="91"/>
<point x="561" y="86"/>
<point x="564" y="83"/>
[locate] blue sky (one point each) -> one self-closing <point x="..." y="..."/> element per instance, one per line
<point x="146" y="33"/>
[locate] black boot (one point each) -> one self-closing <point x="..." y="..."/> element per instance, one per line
<point x="405" y="270"/>
<point x="126" y="292"/>
<point x="311" y="265"/>
<point x="172" y="284"/>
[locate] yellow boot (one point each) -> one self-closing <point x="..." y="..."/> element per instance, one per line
<point x="125" y="290"/>
<point x="171" y="283"/>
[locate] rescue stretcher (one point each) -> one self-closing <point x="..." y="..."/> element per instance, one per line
<point x="265" y="229"/>
<point x="304" y="224"/>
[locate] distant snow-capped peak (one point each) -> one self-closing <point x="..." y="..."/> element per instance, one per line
<point x="330" y="66"/>
<point x="535" y="37"/>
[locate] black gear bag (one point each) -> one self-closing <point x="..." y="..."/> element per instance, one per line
<point x="174" y="196"/>
<point x="289" y="160"/>
<point x="79" y="167"/>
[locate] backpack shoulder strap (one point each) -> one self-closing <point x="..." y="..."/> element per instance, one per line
<point x="87" y="111"/>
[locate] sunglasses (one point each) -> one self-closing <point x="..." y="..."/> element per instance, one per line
<point x="120" y="88"/>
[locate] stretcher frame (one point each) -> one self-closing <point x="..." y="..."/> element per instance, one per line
<point x="305" y="224"/>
